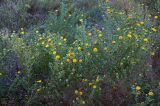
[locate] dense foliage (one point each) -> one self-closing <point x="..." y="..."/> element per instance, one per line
<point x="79" y="53"/>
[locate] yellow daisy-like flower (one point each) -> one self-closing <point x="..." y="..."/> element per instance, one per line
<point x="156" y="17"/>
<point x="118" y="29"/>
<point x="49" y="40"/>
<point x="59" y="43"/>
<point x="138" y="88"/>
<point x="79" y="48"/>
<point x="37" y="32"/>
<point x="19" y="72"/>
<point x="114" y="42"/>
<point x="39" y="81"/>
<point x="81" y="20"/>
<point x="142" y="23"/>
<point x="64" y="39"/>
<point x="94" y="86"/>
<point x="83" y="102"/>
<point x="1" y="74"/>
<point x="54" y="52"/>
<point x="120" y="37"/>
<point x="150" y="93"/>
<point x="43" y="43"/>
<point x="154" y="29"/>
<point x="22" y="32"/>
<point x="80" y="93"/>
<point x="100" y="35"/>
<point x="68" y="60"/>
<point x="38" y="90"/>
<point x="89" y="34"/>
<point x="74" y="60"/>
<point x="47" y="46"/>
<point x="88" y="54"/>
<point x="95" y="50"/>
<point x="80" y="60"/>
<point x="146" y="40"/>
<point x="40" y="38"/>
<point x="58" y="57"/>
<point x="129" y="36"/>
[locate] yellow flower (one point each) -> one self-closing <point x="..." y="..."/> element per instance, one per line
<point x="80" y="93"/>
<point x="88" y="54"/>
<point x="81" y="20"/>
<point x="74" y="60"/>
<point x="150" y="93"/>
<point x="155" y="17"/>
<point x="38" y="90"/>
<point x="58" y="57"/>
<point x="142" y="23"/>
<point x="146" y="40"/>
<point x="95" y="50"/>
<point x="61" y="63"/>
<point x="1" y="74"/>
<point x="100" y="35"/>
<point x="37" y="32"/>
<point x="47" y="46"/>
<point x="22" y="32"/>
<point x="59" y="43"/>
<point x="129" y="36"/>
<point x="76" y="91"/>
<point x="39" y="81"/>
<point x="120" y="37"/>
<point x="79" y="48"/>
<point x="49" y="39"/>
<point x="61" y="37"/>
<point x="80" y="60"/>
<point x="154" y="29"/>
<point x="89" y="34"/>
<point x="86" y="44"/>
<point x="118" y="29"/>
<point x="90" y="84"/>
<point x="114" y="42"/>
<point x="94" y="86"/>
<point x="138" y="88"/>
<point x="43" y="43"/>
<point x="54" y="52"/>
<point x="68" y="60"/>
<point x="64" y="39"/>
<point x="40" y="38"/>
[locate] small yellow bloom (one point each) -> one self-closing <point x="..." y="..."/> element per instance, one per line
<point x="1" y="74"/>
<point x="49" y="40"/>
<point x="88" y="54"/>
<point x="40" y="38"/>
<point x="156" y="17"/>
<point x="118" y="29"/>
<point x="89" y="34"/>
<point x="43" y="43"/>
<point x="54" y="52"/>
<point x="79" y="48"/>
<point x="100" y="35"/>
<point x="39" y="81"/>
<point x="64" y="39"/>
<point x="94" y="86"/>
<point x="47" y="46"/>
<point x="59" y="43"/>
<point x="81" y="20"/>
<point x="90" y="84"/>
<point x="154" y="29"/>
<point x="62" y="63"/>
<point x="37" y="32"/>
<point x="146" y="40"/>
<point x="86" y="44"/>
<point x="58" y="57"/>
<point x="120" y="37"/>
<point x="22" y="32"/>
<point x="80" y="93"/>
<point x="142" y="23"/>
<point x="61" y="37"/>
<point x="114" y="42"/>
<point x="74" y="60"/>
<point x="150" y="93"/>
<point x="38" y="90"/>
<point x="95" y="50"/>
<point x="129" y="36"/>
<point x="68" y="60"/>
<point x="138" y="88"/>
<point x="80" y="60"/>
